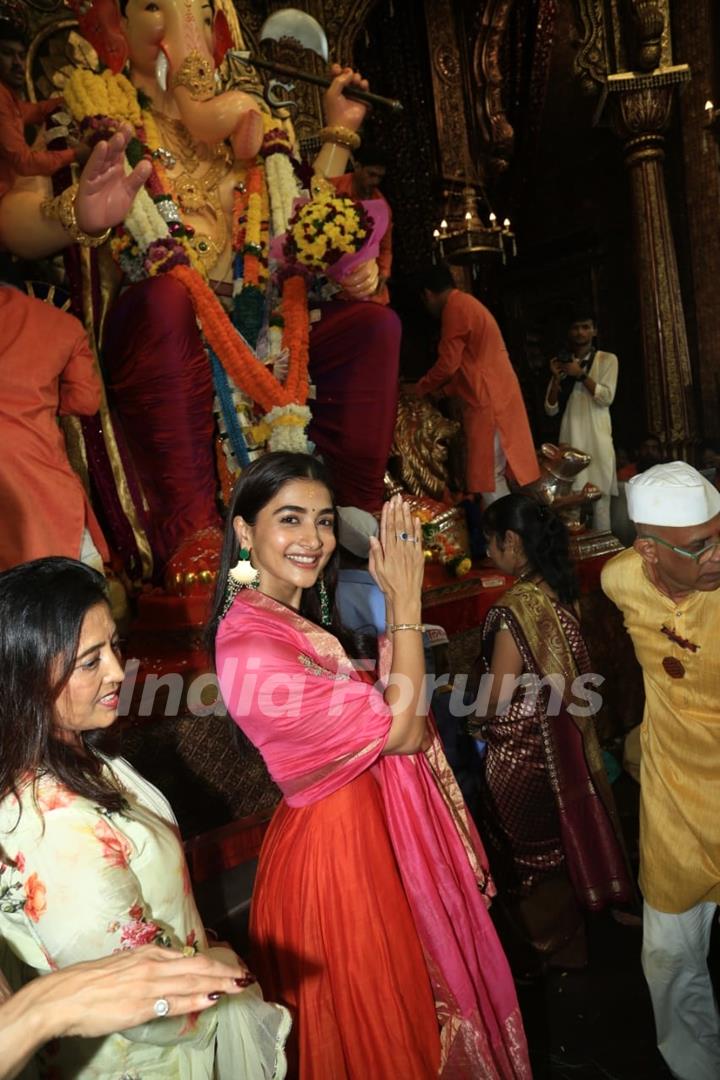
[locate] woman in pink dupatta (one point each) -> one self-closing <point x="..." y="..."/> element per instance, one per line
<point x="369" y="917"/>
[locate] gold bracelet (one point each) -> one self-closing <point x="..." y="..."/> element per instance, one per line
<point x="392" y="627"/>
<point x="62" y="209"/>
<point x="340" y="136"/>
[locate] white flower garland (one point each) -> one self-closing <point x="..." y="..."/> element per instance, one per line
<point x="288" y="424"/>
<point x="283" y="190"/>
<point x="144" y="221"/>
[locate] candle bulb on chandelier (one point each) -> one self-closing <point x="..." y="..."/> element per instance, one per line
<point x="507" y="232"/>
<point x="710" y="117"/>
<point x="493" y="220"/>
<point x="443" y="227"/>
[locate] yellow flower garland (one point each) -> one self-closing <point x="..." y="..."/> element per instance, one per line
<point x="89" y="94"/>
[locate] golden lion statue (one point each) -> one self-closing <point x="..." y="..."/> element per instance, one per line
<point x="418" y="456"/>
<point x="418" y="469"/>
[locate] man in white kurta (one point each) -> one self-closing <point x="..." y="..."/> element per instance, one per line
<point x="586" y="420"/>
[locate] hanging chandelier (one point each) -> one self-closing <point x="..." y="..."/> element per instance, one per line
<point x="464" y="238"/>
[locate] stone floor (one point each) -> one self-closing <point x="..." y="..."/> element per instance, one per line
<point x="596" y="1024"/>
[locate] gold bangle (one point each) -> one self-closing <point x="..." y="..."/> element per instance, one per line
<point x="340" y="136"/>
<point x="392" y="627"/>
<point x="62" y="209"/>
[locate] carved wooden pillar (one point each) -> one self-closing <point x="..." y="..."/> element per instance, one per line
<point x="449" y="100"/>
<point x="641" y="114"/>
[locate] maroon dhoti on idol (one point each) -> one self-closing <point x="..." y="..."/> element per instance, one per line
<point x="354" y="363"/>
<point x="160" y="385"/>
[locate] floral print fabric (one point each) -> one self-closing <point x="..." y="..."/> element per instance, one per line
<point x="78" y="882"/>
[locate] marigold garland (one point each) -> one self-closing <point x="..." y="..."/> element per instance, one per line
<point x="88" y="94"/>
<point x="240" y="362"/>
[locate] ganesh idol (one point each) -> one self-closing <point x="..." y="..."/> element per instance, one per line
<point x="172" y="220"/>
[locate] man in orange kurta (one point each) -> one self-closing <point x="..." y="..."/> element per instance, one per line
<point x="473" y="365"/>
<point x="364" y="183"/>
<point x="46" y="368"/>
<point x="16" y="157"/>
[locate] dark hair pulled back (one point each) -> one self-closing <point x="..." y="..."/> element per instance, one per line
<point x="544" y="539"/>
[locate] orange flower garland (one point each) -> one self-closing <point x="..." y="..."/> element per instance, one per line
<point x="240" y="362"/>
<point x="253" y="213"/>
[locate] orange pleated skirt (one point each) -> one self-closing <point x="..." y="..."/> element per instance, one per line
<point x="334" y="940"/>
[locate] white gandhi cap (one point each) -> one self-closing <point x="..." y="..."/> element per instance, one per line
<point x="355" y="527"/>
<point x="674" y="494"/>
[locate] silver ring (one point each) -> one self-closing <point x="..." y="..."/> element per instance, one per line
<point x="406" y="536"/>
<point x="161" y="1007"/>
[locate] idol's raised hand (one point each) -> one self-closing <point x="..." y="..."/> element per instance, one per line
<point x="338" y="108"/>
<point x="105" y="191"/>
<point x="361" y="283"/>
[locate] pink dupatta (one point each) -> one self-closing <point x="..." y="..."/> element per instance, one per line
<point x="319" y="723"/>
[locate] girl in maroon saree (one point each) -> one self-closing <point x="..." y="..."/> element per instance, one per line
<point x="548" y="817"/>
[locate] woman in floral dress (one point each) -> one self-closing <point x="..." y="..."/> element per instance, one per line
<point x="90" y="856"/>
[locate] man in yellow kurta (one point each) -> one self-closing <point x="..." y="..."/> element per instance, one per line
<point x="667" y="589"/>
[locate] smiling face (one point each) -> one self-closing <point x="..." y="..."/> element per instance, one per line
<point x="292" y="539"/>
<point x="89" y="700"/>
